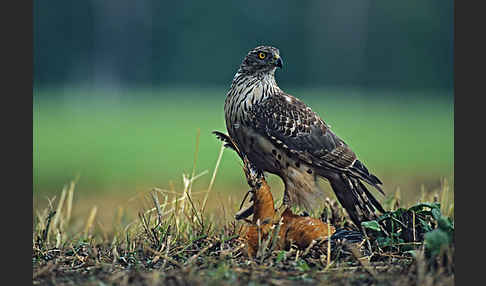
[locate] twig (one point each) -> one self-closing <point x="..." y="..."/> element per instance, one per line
<point x="276" y="234"/>
<point x="192" y="258"/>
<point x="167" y="248"/>
<point x="90" y="220"/>
<point x="259" y="236"/>
<point x="59" y="207"/>
<point x="368" y="244"/>
<point x="196" y="214"/>
<point x="69" y="205"/>
<point x="313" y="242"/>
<point x="155" y="198"/>
<point x="189" y="188"/>
<point x="328" y="221"/>
<point x="213" y="177"/>
<point x="45" y="233"/>
<point x="413" y="226"/>
<point x="265" y="245"/>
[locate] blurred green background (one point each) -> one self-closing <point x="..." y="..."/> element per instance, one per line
<point x="122" y="87"/>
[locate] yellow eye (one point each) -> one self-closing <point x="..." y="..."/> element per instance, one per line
<point x="261" y="55"/>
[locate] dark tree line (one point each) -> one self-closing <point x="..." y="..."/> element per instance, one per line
<point x="397" y="44"/>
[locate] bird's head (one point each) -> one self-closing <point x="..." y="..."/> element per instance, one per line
<point x="262" y="59"/>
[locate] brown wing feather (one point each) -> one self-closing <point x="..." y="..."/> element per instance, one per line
<point x="290" y="124"/>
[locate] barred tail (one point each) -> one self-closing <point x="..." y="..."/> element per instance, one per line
<point x="362" y="172"/>
<point x="353" y="195"/>
<point x="348" y="235"/>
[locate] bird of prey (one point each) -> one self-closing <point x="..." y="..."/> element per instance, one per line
<point x="281" y="135"/>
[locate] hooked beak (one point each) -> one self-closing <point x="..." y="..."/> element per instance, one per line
<point x="278" y="61"/>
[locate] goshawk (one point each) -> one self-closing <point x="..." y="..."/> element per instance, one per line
<point x="281" y="135"/>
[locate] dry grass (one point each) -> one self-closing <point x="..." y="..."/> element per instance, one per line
<point x="175" y="240"/>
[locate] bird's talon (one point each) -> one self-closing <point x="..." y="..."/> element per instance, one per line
<point x="244" y="213"/>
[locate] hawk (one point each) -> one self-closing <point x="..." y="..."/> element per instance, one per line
<point x="281" y="135"/>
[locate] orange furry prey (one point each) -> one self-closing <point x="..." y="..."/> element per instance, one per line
<point x="294" y="229"/>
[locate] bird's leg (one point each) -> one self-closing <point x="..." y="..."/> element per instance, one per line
<point x="286" y="198"/>
<point x="248" y="211"/>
